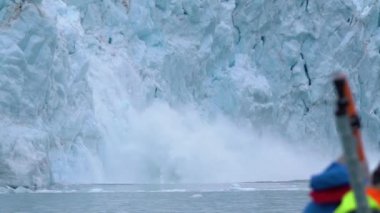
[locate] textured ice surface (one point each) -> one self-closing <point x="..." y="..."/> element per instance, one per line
<point x="178" y="91"/>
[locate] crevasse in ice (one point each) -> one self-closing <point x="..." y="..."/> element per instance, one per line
<point x="178" y="91"/>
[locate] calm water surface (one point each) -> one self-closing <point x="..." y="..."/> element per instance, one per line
<point x="179" y="198"/>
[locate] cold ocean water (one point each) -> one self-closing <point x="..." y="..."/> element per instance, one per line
<point x="242" y="197"/>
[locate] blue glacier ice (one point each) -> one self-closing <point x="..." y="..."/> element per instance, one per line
<point x="163" y="91"/>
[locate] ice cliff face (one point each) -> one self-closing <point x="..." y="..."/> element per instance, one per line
<point x="177" y="91"/>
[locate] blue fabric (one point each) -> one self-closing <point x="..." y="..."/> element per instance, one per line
<point x="315" y="208"/>
<point x="333" y="176"/>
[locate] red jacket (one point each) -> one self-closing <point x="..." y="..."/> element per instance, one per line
<point x="328" y="196"/>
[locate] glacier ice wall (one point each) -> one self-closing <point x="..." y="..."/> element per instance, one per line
<point x="45" y="97"/>
<point x="178" y="91"/>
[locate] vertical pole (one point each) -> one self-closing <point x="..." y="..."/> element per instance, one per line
<point x="348" y="128"/>
<point x="357" y="178"/>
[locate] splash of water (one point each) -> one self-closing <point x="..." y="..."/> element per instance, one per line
<point x="163" y="145"/>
